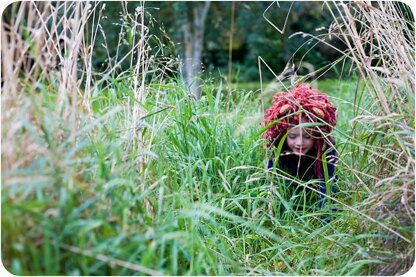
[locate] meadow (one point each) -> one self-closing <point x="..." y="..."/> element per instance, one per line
<point x="132" y="176"/>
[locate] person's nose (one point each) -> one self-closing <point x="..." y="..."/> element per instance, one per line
<point x="298" y="142"/>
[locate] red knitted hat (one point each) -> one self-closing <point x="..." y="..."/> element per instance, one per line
<point x="289" y="107"/>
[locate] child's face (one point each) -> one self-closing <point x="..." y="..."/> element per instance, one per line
<point x="299" y="140"/>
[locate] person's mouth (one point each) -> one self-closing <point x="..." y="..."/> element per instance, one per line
<point x="298" y="150"/>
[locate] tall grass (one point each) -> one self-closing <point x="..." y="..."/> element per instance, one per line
<point x="380" y="40"/>
<point x="377" y="154"/>
<point x="122" y="173"/>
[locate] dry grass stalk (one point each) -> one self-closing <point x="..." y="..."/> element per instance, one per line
<point x="379" y="35"/>
<point x="112" y="262"/>
<point x="380" y="43"/>
<point x="41" y="47"/>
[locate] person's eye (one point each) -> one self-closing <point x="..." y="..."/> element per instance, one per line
<point x="307" y="136"/>
<point x="292" y="136"/>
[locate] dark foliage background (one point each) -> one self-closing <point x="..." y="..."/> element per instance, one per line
<point x="253" y="36"/>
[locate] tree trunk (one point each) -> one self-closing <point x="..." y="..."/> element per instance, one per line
<point x="193" y="31"/>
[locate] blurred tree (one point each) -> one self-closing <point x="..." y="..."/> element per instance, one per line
<point x="191" y="17"/>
